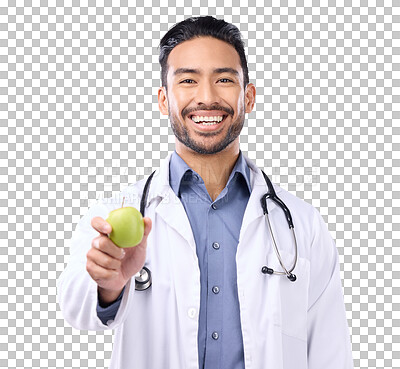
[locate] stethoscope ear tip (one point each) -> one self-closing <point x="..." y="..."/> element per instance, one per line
<point x="266" y="270"/>
<point x="292" y="277"/>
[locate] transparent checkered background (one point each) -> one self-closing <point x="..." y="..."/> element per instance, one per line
<point x="79" y="120"/>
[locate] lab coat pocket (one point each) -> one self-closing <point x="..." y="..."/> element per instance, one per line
<point x="293" y="295"/>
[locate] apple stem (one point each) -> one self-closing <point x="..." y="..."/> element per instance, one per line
<point x="123" y="202"/>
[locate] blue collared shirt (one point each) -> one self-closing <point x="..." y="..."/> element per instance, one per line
<point x="216" y="226"/>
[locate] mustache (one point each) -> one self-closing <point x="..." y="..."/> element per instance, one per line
<point x="188" y="111"/>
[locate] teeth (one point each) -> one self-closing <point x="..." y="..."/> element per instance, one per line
<point x="198" y="119"/>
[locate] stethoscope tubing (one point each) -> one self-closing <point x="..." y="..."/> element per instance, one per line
<point x="143" y="279"/>
<point x="287" y="272"/>
<point x="271" y="194"/>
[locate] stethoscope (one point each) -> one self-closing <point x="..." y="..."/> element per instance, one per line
<point x="143" y="277"/>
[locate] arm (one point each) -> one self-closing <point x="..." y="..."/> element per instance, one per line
<point x="329" y="344"/>
<point x="77" y="292"/>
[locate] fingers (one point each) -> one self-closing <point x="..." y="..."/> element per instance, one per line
<point x="103" y="260"/>
<point x="98" y="272"/>
<point x="105" y="245"/>
<point x="101" y="226"/>
<point x="104" y="263"/>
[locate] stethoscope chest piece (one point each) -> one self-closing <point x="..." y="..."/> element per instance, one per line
<point x="143" y="279"/>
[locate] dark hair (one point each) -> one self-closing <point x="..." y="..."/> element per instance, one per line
<point x="197" y="27"/>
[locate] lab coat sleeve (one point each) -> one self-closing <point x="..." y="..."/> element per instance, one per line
<point x="76" y="291"/>
<point x="329" y="344"/>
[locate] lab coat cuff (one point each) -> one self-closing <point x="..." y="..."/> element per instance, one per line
<point x="124" y="306"/>
<point x="109" y="312"/>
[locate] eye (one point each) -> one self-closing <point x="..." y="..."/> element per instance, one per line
<point x="226" y="79"/>
<point x="185" y="80"/>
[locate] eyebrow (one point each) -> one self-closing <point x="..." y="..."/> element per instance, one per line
<point x="215" y="71"/>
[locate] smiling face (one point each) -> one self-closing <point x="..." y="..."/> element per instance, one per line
<point x="205" y="81"/>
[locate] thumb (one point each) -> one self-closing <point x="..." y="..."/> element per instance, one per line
<point x="147" y="227"/>
<point x="143" y="243"/>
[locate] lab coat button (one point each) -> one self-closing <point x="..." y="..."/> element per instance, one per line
<point x="214" y="206"/>
<point x="192" y="313"/>
<point x="215" y="289"/>
<point x="215" y="335"/>
<point x="215" y="245"/>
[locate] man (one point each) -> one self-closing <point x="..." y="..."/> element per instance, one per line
<point x="207" y="239"/>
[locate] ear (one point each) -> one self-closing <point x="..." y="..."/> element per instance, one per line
<point x="250" y="97"/>
<point x="162" y="101"/>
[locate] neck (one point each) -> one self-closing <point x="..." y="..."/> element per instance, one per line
<point x="214" y="169"/>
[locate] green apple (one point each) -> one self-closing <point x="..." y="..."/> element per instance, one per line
<point x="127" y="226"/>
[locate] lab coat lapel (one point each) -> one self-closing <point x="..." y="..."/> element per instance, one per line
<point x="170" y="208"/>
<point x="174" y="214"/>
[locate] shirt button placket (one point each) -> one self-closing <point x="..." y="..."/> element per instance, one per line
<point x="214" y="312"/>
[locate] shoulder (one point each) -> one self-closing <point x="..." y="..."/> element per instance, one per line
<point x="307" y="219"/>
<point x="297" y="203"/>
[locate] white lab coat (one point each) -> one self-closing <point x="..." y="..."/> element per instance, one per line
<point x="285" y="324"/>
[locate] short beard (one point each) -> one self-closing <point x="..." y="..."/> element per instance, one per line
<point x="182" y="134"/>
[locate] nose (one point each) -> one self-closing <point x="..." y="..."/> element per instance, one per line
<point x="207" y="94"/>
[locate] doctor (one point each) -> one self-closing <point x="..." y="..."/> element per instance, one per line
<point x="207" y="239"/>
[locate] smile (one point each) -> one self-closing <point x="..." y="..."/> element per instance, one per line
<point x="208" y="121"/>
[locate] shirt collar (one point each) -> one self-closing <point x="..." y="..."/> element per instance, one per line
<point x="178" y="168"/>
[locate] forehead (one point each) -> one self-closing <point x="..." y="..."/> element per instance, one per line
<point x="204" y="54"/>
